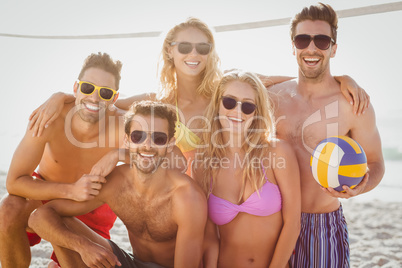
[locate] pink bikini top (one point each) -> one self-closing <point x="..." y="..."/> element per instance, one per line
<point x="221" y="211"/>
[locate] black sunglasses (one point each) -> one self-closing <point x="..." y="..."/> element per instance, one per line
<point x="230" y="103"/>
<point x="187" y="47"/>
<point x="321" y="41"/>
<point x="158" y="138"/>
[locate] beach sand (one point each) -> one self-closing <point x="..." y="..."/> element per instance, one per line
<point x="375" y="233"/>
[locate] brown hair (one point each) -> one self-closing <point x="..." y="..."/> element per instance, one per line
<point x="153" y="108"/>
<point x="105" y="62"/>
<point x="320" y="11"/>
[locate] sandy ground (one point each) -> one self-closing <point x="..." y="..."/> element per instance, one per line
<point x="375" y="230"/>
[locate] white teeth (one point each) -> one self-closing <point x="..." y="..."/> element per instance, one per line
<point x="92" y="107"/>
<point x="311" y="59"/>
<point x="235" y="119"/>
<point x="193" y="63"/>
<point x="146" y="155"/>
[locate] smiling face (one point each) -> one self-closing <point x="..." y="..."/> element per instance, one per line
<point x="146" y="155"/>
<point x="314" y="62"/>
<point x="191" y="64"/>
<point x="92" y="107"/>
<point x="234" y="120"/>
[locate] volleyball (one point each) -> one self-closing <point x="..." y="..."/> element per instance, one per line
<point x="338" y="161"/>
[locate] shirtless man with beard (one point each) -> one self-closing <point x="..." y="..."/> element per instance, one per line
<point x="163" y="209"/>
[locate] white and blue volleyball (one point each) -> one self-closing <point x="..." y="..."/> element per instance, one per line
<point x="338" y="161"/>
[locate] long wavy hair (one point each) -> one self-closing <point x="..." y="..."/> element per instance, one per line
<point x="168" y="78"/>
<point x="258" y="137"/>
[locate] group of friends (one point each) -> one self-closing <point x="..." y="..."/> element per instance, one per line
<point x="216" y="168"/>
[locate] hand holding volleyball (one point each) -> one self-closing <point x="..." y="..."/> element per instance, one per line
<point x="338" y="161"/>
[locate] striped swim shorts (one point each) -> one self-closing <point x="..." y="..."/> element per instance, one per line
<point x="323" y="241"/>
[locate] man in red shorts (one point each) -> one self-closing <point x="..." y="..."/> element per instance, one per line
<point x="164" y="210"/>
<point x="85" y="131"/>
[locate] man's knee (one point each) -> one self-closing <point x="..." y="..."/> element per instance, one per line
<point x="14" y="212"/>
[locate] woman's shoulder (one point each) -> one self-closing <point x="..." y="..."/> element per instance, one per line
<point x="280" y="147"/>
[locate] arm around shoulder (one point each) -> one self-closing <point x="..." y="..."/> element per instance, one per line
<point x="268" y="81"/>
<point x="354" y="94"/>
<point x="49" y="111"/>
<point x="109" y="161"/>
<point x="127" y="102"/>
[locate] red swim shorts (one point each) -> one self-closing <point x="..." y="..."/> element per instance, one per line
<point x="100" y="220"/>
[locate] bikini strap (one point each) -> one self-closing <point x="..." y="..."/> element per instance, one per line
<point x="177" y="110"/>
<point x="210" y="185"/>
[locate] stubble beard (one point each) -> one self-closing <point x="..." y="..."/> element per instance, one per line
<point x="148" y="169"/>
<point x="313" y="74"/>
<point x="92" y="118"/>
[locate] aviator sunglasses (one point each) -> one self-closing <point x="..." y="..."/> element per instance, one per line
<point x="158" y="138"/>
<point x="230" y="103"/>
<point x="186" y="47"/>
<point x="105" y="93"/>
<point x="320" y="41"/>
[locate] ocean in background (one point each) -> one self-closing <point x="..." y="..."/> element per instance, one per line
<point x="32" y="69"/>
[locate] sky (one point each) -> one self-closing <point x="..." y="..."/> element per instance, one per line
<point x="122" y="16"/>
<point x="32" y="69"/>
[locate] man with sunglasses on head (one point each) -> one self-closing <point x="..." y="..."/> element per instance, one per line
<point x="164" y="210"/>
<point x="86" y="130"/>
<point x="310" y="109"/>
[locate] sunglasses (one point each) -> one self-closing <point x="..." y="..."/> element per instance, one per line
<point x="105" y="93"/>
<point x="186" y="47"/>
<point x="158" y="138"/>
<point x="230" y="103"/>
<point x="320" y="41"/>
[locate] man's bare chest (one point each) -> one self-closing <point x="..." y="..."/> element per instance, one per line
<point x="66" y="154"/>
<point x="149" y="220"/>
<point x="306" y="126"/>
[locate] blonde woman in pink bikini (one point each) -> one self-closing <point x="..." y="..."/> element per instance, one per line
<point x="251" y="179"/>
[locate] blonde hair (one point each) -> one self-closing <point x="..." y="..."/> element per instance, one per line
<point x="168" y="78"/>
<point x="258" y="137"/>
